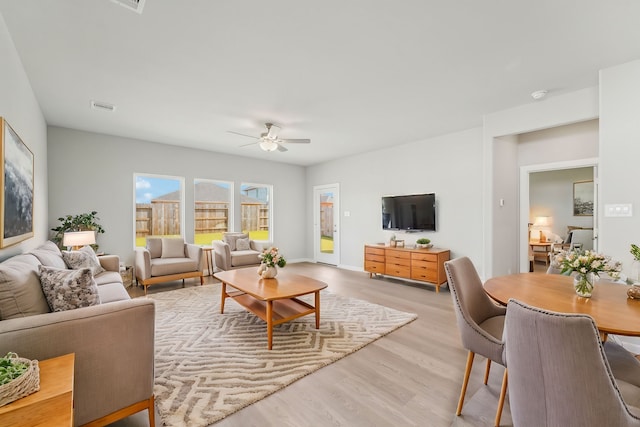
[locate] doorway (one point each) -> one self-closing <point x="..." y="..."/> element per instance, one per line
<point x="326" y="224"/>
<point x="525" y="197"/>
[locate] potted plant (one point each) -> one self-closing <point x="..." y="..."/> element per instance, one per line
<point x="423" y="243"/>
<point x="80" y="222"/>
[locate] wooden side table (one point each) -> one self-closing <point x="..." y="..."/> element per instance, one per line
<point x="208" y="257"/>
<point x="52" y="405"/>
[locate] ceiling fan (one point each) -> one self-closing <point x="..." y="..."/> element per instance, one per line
<point x="269" y="140"/>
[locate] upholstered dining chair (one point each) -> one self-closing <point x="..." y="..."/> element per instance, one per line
<point x="558" y="372"/>
<point x="480" y="322"/>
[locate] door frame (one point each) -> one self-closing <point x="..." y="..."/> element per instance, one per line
<point x="317" y="255"/>
<point x="523" y="232"/>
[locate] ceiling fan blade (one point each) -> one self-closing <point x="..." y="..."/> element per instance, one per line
<point x="242" y="134"/>
<point x="246" y="145"/>
<point x="296" y="141"/>
<point x="282" y="148"/>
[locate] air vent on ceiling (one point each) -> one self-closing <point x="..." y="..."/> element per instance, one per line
<point x="99" y="105"/>
<point x="135" y="5"/>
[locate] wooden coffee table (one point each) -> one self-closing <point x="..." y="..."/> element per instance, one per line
<point x="272" y="300"/>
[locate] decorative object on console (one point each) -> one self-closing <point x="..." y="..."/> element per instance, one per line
<point x="423" y="243"/>
<point x="17" y="168"/>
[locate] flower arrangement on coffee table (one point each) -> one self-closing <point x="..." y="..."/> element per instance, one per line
<point x="270" y="258"/>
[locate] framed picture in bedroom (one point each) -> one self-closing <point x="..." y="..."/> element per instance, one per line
<point x="16" y="167"/>
<point x="583" y="198"/>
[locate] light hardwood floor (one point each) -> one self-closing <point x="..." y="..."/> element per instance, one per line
<point x="411" y="377"/>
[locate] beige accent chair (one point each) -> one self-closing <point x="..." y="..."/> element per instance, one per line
<point x="561" y="374"/>
<point x="230" y="254"/>
<point x="166" y="259"/>
<point x="480" y="322"/>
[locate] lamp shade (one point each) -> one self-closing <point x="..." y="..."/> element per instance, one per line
<point x="79" y="238"/>
<point x="542" y="221"/>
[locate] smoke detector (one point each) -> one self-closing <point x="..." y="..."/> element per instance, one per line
<point x="135" y="5"/>
<point x="104" y="106"/>
<point x="539" y="94"/>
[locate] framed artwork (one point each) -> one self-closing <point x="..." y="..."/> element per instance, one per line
<point x="16" y="165"/>
<point x="583" y="198"/>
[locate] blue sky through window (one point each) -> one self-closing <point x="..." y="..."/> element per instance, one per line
<point x="149" y="188"/>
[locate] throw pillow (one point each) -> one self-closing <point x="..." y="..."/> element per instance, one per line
<point x="49" y="254"/>
<point x="231" y="238"/>
<point x="84" y="258"/>
<point x="154" y="244"/>
<point x="172" y="248"/>
<point x="68" y="289"/>
<point x="20" y="291"/>
<point x="243" y="245"/>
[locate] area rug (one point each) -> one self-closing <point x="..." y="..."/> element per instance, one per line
<point x="209" y="365"/>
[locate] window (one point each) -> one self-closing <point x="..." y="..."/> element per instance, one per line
<point x="159" y="206"/>
<point x="213" y="210"/>
<point x="255" y="202"/>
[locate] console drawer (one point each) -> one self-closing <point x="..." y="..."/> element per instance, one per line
<point x="374" y="267"/>
<point x="368" y="250"/>
<point x="418" y="256"/>
<point x="397" y="270"/>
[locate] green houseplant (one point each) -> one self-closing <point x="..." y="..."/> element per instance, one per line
<point x="423" y="243"/>
<point x="80" y="222"/>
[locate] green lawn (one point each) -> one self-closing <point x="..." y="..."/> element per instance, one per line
<point x="205" y="239"/>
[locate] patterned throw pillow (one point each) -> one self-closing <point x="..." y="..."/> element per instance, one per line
<point x="68" y="289"/>
<point x="243" y="245"/>
<point x="84" y="258"/>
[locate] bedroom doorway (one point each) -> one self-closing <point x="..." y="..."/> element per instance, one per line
<point x="557" y="222"/>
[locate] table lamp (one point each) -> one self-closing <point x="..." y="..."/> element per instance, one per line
<point x="78" y="239"/>
<point x="541" y="223"/>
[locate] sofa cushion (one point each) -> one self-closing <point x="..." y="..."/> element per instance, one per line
<point x="84" y="258"/>
<point x="112" y="292"/>
<point x="240" y="258"/>
<point x="68" y="289"/>
<point x="154" y="245"/>
<point x="108" y="277"/>
<point x="231" y="238"/>
<point x="172" y="248"/>
<point x="243" y="244"/>
<point x="49" y="254"/>
<point x="166" y="266"/>
<point x="20" y="291"/>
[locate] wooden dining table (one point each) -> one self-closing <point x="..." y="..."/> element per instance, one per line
<point x="609" y="306"/>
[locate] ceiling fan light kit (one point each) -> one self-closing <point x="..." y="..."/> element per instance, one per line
<point x="268" y="145"/>
<point x="269" y="141"/>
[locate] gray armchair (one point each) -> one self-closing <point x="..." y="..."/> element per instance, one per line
<point x="230" y="254"/>
<point x="166" y="259"/>
<point x="480" y="322"/>
<point x="559" y="374"/>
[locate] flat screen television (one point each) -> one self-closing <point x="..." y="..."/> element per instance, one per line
<point x="415" y="212"/>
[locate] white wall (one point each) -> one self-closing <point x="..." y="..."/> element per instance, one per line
<point x="448" y="166"/>
<point x="89" y="171"/>
<point x="20" y="108"/>
<point x="505" y="202"/>
<point x="620" y="158"/>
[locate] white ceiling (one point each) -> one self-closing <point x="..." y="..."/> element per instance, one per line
<point x="353" y="75"/>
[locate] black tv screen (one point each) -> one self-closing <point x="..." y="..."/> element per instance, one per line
<point x="416" y="212"/>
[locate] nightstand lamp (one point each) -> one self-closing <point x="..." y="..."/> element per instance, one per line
<point x="78" y="239"/>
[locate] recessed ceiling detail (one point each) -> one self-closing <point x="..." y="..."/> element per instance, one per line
<point x="135" y="5"/>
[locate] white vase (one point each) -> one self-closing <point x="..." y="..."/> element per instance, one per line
<point x="269" y="272"/>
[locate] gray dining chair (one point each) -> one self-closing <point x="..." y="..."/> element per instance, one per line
<point x="558" y="372"/>
<point x="480" y="322"/>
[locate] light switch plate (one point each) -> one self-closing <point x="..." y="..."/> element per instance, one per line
<point x="618" y="210"/>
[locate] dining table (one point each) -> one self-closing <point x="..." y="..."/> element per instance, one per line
<point x="609" y="306"/>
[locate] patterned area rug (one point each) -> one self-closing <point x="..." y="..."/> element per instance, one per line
<point x="209" y="365"/>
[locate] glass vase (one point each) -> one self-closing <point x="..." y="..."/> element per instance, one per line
<point x="583" y="284"/>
